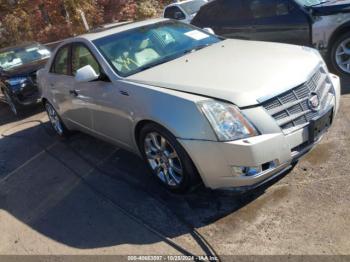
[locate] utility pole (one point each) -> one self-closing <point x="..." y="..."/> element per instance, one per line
<point x="82" y="14"/>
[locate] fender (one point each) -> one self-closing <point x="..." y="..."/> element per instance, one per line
<point x="344" y="28"/>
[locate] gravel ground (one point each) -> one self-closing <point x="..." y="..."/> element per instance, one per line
<point x="83" y="196"/>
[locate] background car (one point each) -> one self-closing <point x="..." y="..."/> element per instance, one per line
<point x="184" y="11"/>
<point x="18" y="67"/>
<point x="316" y="23"/>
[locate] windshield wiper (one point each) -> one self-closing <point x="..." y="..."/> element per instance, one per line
<point x="163" y="61"/>
<point x="143" y="68"/>
<point x="196" y="48"/>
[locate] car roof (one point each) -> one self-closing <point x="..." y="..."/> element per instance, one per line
<point x="180" y="3"/>
<point x="22" y="45"/>
<point x="119" y="28"/>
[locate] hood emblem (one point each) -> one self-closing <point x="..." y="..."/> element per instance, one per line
<point x="314" y="102"/>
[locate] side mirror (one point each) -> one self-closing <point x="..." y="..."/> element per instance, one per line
<point x="86" y="74"/>
<point x="209" y="30"/>
<point x="179" y="15"/>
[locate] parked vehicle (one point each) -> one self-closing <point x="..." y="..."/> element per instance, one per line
<point x="184" y="11"/>
<point x="318" y="23"/>
<point x="18" y="67"/>
<point x="148" y="88"/>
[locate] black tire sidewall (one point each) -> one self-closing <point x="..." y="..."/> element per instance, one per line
<point x="333" y="54"/>
<point x="190" y="174"/>
<point x="66" y="132"/>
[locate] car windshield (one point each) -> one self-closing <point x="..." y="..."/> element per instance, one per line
<point x="311" y="2"/>
<point x="142" y="48"/>
<point x="193" y="6"/>
<point x="15" y="57"/>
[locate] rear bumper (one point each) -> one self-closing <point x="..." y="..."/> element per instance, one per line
<point x="217" y="162"/>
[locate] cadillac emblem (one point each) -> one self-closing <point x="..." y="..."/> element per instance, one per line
<point x="314" y="102"/>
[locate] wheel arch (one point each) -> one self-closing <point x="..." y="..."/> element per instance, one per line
<point x="343" y="29"/>
<point x="141" y="124"/>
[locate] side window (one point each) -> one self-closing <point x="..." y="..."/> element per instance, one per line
<point x="173" y="12"/>
<point x="230" y="11"/>
<point x="60" y="65"/>
<point x="268" y="8"/>
<point x="81" y="56"/>
<point x="219" y="12"/>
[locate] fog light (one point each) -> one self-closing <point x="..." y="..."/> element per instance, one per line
<point x="247" y="170"/>
<point x="254" y="170"/>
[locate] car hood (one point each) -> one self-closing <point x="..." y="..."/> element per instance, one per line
<point x="25" y="69"/>
<point x="332" y="7"/>
<point x="238" y="71"/>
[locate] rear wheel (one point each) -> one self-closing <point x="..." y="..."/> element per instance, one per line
<point x="167" y="159"/>
<point x="340" y="54"/>
<point x="56" y="121"/>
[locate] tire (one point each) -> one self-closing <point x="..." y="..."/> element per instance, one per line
<point x="15" y="109"/>
<point x="336" y="56"/>
<point x="162" y="159"/>
<point x="56" y="122"/>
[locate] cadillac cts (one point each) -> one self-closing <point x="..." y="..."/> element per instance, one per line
<point x="195" y="107"/>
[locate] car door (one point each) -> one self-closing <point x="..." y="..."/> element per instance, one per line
<point x="278" y="21"/>
<point x="226" y="18"/>
<point x="106" y="101"/>
<point x="72" y="102"/>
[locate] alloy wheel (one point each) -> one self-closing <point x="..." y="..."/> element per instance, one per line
<point x="342" y="55"/>
<point x="163" y="159"/>
<point x="54" y="119"/>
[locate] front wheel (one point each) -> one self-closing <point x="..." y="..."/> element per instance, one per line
<point x="340" y="54"/>
<point x="167" y="159"/>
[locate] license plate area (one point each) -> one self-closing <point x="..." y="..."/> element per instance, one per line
<point x="319" y="125"/>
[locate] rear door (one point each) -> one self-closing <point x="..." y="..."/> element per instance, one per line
<point x="70" y="98"/>
<point x="60" y="81"/>
<point x="278" y="21"/>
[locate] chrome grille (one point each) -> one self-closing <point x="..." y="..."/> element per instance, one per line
<point x="291" y="109"/>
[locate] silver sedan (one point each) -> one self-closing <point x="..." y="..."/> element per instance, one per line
<point x="196" y="107"/>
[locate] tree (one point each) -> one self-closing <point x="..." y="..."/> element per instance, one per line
<point x="116" y="10"/>
<point x="45" y="20"/>
<point x="51" y="20"/>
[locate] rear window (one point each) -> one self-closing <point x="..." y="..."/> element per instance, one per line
<point x="193" y="7"/>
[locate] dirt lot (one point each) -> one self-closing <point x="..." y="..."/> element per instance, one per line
<point x="83" y="196"/>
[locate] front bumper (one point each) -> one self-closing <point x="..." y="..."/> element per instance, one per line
<point x="216" y="161"/>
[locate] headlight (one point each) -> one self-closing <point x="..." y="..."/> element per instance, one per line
<point x="227" y="121"/>
<point x="16" y="81"/>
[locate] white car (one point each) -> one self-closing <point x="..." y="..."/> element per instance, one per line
<point x="184" y="11"/>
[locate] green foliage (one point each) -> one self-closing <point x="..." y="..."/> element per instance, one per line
<point x="147" y="9"/>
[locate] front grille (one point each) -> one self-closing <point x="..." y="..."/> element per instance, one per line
<point x="291" y="109"/>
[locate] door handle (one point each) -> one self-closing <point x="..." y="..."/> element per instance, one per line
<point x="74" y="92"/>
